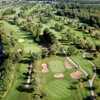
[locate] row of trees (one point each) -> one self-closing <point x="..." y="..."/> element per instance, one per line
<point x="86" y="15"/>
<point x="10" y="58"/>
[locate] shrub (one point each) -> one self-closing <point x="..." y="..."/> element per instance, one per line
<point x="58" y="27"/>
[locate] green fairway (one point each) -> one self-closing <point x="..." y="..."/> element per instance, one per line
<point x="57" y="90"/>
<point x="28" y="46"/>
<point x="13" y="93"/>
<point x="83" y="63"/>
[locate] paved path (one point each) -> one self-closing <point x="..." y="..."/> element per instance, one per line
<point x="90" y="81"/>
<point x="77" y="66"/>
<point x="92" y="92"/>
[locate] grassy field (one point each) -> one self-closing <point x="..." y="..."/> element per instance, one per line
<point x="53" y="88"/>
<point x="58" y="89"/>
<point x="13" y="93"/>
<point x="27" y="45"/>
<point x="83" y="63"/>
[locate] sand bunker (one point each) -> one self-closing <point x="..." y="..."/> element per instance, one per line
<point x="59" y="75"/>
<point x="76" y="75"/>
<point x="44" y="68"/>
<point x="67" y="64"/>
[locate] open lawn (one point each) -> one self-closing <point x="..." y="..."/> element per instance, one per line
<point x="58" y="89"/>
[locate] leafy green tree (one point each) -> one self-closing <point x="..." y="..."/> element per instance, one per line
<point x="48" y="38"/>
<point x="58" y="27"/>
<point x="9" y="11"/>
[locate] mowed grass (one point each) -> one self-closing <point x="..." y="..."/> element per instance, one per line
<point x="83" y="63"/>
<point x="57" y="89"/>
<point x="27" y="45"/>
<point x="56" y="65"/>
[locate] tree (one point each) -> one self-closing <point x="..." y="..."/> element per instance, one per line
<point x="48" y="38"/>
<point x="9" y="11"/>
<point x="58" y="27"/>
<point x="44" y="52"/>
<point x="54" y="49"/>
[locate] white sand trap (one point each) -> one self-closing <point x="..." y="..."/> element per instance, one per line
<point x="59" y="75"/>
<point x="20" y="40"/>
<point x="44" y="68"/>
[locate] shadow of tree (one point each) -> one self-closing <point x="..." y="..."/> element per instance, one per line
<point x="25" y="61"/>
<point x="72" y="87"/>
<point x="98" y="71"/>
<point x="22" y="88"/>
<point x="98" y="93"/>
<point x="88" y="98"/>
<point x="92" y="88"/>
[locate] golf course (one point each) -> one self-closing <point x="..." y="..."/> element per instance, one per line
<point x="49" y="50"/>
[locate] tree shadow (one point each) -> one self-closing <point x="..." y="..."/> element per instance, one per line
<point x="98" y="71"/>
<point x="98" y="94"/>
<point x="90" y="98"/>
<point x="92" y="88"/>
<point x="29" y="37"/>
<point x="25" y="73"/>
<point x="21" y="88"/>
<point x="25" y="61"/>
<point x="72" y="87"/>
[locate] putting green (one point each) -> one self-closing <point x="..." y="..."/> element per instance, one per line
<point x="56" y="65"/>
